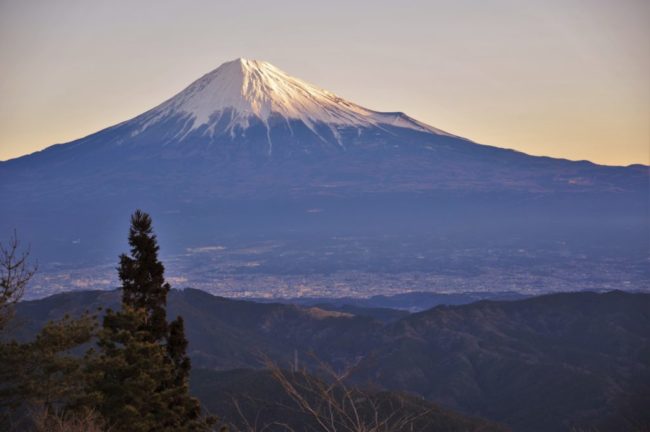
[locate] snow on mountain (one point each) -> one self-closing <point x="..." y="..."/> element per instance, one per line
<point x="250" y="152"/>
<point x="242" y="90"/>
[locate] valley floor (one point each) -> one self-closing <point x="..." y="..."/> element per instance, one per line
<point x="364" y="267"/>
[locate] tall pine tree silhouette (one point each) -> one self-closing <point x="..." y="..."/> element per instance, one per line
<point x="142" y="373"/>
<point x="143" y="276"/>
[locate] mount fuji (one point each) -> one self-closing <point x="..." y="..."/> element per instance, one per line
<point x="247" y="150"/>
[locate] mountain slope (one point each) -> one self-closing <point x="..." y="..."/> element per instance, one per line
<point x="246" y="113"/>
<point x="248" y="151"/>
<point x="241" y="92"/>
<point x="254" y="396"/>
<point x="565" y="354"/>
<point x="548" y="363"/>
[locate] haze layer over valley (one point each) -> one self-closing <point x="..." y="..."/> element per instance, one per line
<point x="263" y="185"/>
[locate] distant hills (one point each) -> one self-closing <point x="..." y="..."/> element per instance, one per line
<point x="410" y="301"/>
<point x="541" y="364"/>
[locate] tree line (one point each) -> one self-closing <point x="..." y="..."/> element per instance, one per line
<point x="131" y="373"/>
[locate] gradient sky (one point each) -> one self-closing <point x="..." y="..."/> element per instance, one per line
<point x="565" y="78"/>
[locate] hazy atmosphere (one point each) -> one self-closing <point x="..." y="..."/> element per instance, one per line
<point x="334" y="216"/>
<point x="560" y="78"/>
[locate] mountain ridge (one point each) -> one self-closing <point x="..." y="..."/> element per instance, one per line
<point x="257" y="88"/>
<point x="251" y="111"/>
<point x="254" y="88"/>
<point x="368" y="180"/>
<point x="547" y="363"/>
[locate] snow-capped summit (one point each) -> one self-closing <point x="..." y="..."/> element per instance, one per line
<point x="243" y="91"/>
<point x="248" y="152"/>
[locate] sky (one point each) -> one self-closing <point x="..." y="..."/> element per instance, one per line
<point x="562" y="78"/>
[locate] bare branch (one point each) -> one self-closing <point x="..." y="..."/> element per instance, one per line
<point x="15" y="273"/>
<point x="333" y="406"/>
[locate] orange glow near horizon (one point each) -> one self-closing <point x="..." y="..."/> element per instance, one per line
<point x="558" y="78"/>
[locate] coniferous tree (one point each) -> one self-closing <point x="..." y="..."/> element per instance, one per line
<point x="187" y="408"/>
<point x="142" y="276"/>
<point x="142" y="373"/>
<point x="45" y="375"/>
<point x="176" y="348"/>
